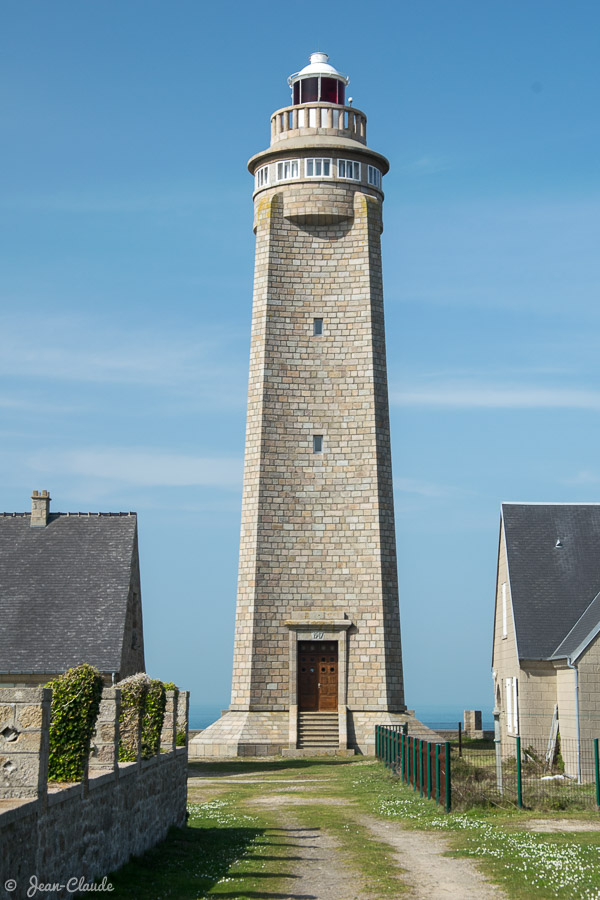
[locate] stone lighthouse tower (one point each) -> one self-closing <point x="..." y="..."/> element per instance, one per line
<point x="317" y="659"/>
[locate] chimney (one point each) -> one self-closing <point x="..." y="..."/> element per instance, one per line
<point x="40" y="509"/>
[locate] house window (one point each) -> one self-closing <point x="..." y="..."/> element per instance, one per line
<point x="288" y="168"/>
<point x="262" y="177"/>
<point x="512" y="705"/>
<point x="504" y="611"/>
<point x="317" y="327"/>
<point x="318" y="168"/>
<point x="317" y="443"/>
<point x="348" y="169"/>
<point x="374" y="176"/>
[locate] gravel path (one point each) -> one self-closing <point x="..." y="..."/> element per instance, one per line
<point x="321" y="875"/>
<point x="432" y="875"/>
<point x="322" y="872"/>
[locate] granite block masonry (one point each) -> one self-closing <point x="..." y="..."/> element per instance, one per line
<point x="317" y="622"/>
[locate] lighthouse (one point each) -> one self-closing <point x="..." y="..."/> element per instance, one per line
<point x="317" y="652"/>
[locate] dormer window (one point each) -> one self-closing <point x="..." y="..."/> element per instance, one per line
<point x="349" y="169"/>
<point x="288" y="168"/>
<point x="262" y="177"/>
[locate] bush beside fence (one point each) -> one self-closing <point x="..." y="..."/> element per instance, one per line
<point x="524" y="773"/>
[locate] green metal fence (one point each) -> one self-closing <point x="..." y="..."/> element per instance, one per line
<point x="423" y="764"/>
<point x="520" y="772"/>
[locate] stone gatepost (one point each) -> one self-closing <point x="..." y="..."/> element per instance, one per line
<point x="168" y="734"/>
<point x="24" y="742"/>
<point x="104" y="751"/>
<point x="183" y="711"/>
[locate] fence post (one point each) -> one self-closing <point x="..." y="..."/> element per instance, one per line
<point x="397" y="752"/>
<point x="519" y="776"/>
<point x="448" y="778"/>
<point x="460" y="738"/>
<point x="421" y="743"/>
<point x="401" y="737"/>
<point x="428" y="745"/>
<point x="597" y="771"/>
<point x="414" y="763"/>
<point x="437" y="773"/>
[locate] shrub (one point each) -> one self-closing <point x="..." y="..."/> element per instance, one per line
<point x="74" y="710"/>
<point x="152" y="723"/>
<point x="133" y="702"/>
<point x="141" y="698"/>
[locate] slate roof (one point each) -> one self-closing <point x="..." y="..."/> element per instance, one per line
<point x="552" y="587"/>
<point x="64" y="590"/>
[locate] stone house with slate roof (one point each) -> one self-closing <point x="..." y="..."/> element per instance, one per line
<point x="69" y="594"/>
<point x="546" y="649"/>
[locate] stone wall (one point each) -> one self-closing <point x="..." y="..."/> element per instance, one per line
<point x="84" y="830"/>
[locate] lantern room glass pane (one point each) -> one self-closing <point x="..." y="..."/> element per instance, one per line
<point x="296" y="96"/>
<point x="310" y="90"/>
<point x="341" y="93"/>
<point x="329" y="90"/>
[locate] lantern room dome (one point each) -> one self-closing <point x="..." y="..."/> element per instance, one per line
<point x="318" y="82"/>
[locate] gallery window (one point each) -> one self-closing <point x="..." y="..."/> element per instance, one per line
<point x="262" y="177"/>
<point x="317" y="443"/>
<point x="317" y="168"/>
<point x="317" y="327"/>
<point x="374" y="176"/>
<point x="288" y="168"/>
<point x="347" y="168"/>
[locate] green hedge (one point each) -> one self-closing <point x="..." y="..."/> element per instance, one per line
<point x="74" y="710"/>
<point x="141" y="696"/>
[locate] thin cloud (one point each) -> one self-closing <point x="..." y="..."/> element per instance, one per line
<point x="472" y="396"/>
<point x="142" y="468"/>
<point x="422" y="488"/>
<point x="427" y="165"/>
<point x="85" y="350"/>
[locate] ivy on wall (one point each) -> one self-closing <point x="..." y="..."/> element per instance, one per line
<point x="154" y="714"/>
<point x="74" y="710"/>
<point x="143" y="700"/>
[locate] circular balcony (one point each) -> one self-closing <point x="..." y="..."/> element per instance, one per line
<point x="318" y="118"/>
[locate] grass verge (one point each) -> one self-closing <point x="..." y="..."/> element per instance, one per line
<point x="527" y="865"/>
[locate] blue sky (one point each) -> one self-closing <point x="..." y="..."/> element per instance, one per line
<point x="126" y="259"/>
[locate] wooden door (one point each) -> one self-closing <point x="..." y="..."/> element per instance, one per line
<point x="317" y="676"/>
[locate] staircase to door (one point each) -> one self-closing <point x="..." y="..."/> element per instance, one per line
<point x="318" y="730"/>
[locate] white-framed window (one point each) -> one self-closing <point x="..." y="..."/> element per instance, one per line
<point x="504" y="611"/>
<point x="347" y="168"/>
<point x="512" y="704"/>
<point x="262" y="177"/>
<point x="317" y="443"/>
<point x="288" y="168"/>
<point x="374" y="176"/>
<point x="317" y="168"/>
<point x="317" y="327"/>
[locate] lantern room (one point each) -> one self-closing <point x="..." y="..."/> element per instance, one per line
<point x="318" y="82"/>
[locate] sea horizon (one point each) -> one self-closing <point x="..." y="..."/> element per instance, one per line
<point x="432" y="715"/>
